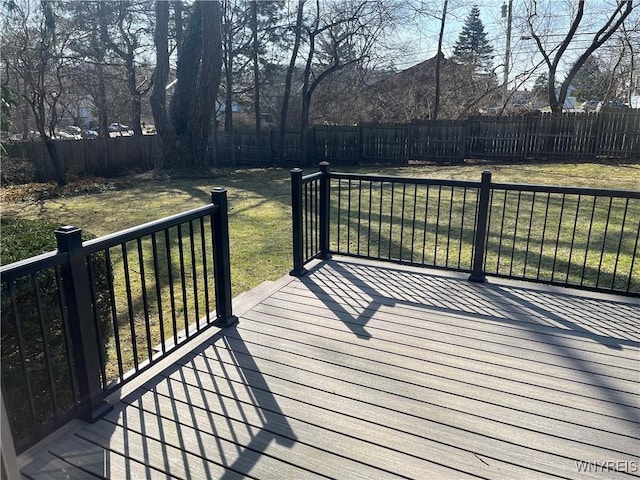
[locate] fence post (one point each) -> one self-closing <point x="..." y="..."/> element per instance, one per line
<point x="324" y="211"/>
<point x="479" y="242"/>
<point x="221" y="260"/>
<point x="84" y="337"/>
<point x="296" y="217"/>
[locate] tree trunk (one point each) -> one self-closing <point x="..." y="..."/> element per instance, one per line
<point x="208" y="83"/>
<point x="256" y="75"/>
<point x="136" y="106"/>
<point x="228" y="100"/>
<point x="158" y="97"/>
<point x="288" y="79"/>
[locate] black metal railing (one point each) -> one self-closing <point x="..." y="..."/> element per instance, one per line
<point x="79" y="322"/>
<point x="579" y="237"/>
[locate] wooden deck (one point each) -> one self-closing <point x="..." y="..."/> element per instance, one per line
<point x="369" y="370"/>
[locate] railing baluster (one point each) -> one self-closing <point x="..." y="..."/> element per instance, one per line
<point x="515" y="234"/>
<point x="586" y="252"/>
<point x="426" y="225"/>
<point x="526" y="248"/>
<point x="555" y="253"/>
<point x="96" y="320"/>
<point x="145" y="302"/>
<point x="359" y="213"/>
<point x="404" y="196"/>
<point x="604" y="241"/>
<point x="504" y="211"/>
<point x="446" y="260"/>
<point x="435" y="244"/>
<point x="132" y="326"/>
<point x="369" y="231"/>
<point x="183" y="282"/>
<point x="615" y="266"/>
<point x="339" y="215"/>
<point x="573" y="237"/>
<point x="380" y="221"/>
<point x="172" y="297"/>
<point x="413" y="220"/>
<point x="633" y="258"/>
<point x="194" y="272"/>
<point x="23" y="358"/>
<point x="156" y="273"/>
<point x="464" y="206"/>
<point x="393" y="185"/>
<point x="67" y="335"/>
<point x="45" y="345"/>
<point x="114" y="315"/>
<point x="205" y="270"/>
<point x="348" y="217"/>
<point x="544" y="230"/>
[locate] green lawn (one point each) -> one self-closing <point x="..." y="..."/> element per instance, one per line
<point x="259" y="202"/>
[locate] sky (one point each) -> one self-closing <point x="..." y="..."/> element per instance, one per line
<point x="422" y="37"/>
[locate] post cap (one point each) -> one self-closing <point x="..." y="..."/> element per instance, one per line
<point x="67" y="229"/>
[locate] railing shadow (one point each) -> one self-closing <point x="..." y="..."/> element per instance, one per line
<point x="214" y="406"/>
<point x="605" y="321"/>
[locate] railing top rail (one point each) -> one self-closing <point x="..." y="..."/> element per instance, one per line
<point x="408" y="180"/>
<point x="126" y="235"/>
<point x="311" y="177"/>
<point x="32" y="265"/>
<point x="596" y="192"/>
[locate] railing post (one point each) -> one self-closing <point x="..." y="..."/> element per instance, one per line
<point x="480" y="239"/>
<point x="324" y="211"/>
<point x="84" y="337"/>
<point x="222" y="260"/>
<point x="296" y="218"/>
<point x="8" y="458"/>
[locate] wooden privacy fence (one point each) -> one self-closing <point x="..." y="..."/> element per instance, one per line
<point x="104" y="157"/>
<point x="574" y="137"/>
<point x="571" y="136"/>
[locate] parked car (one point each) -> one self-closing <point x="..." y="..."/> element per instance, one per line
<point x="74" y="130"/>
<point x="64" y="136"/>
<point x="118" y="127"/>
<point x="591" y="106"/>
<point x="90" y="134"/>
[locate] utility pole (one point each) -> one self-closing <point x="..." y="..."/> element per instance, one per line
<point x="507" y="11"/>
<point x="436" y="103"/>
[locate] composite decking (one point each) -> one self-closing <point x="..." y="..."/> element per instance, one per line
<point x="369" y="370"/>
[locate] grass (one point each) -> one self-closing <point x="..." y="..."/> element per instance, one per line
<point x="259" y="203"/>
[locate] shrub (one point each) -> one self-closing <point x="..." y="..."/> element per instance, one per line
<point x="34" y="330"/>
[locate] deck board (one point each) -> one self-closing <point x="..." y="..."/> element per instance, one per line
<point x="366" y="370"/>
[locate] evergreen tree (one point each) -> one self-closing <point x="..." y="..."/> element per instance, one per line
<point x="472" y="47"/>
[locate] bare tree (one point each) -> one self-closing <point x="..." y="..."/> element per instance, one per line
<point x="198" y="79"/>
<point x="34" y="55"/>
<point x="553" y="54"/>
<point x="339" y="34"/>
<point x="284" y="111"/>
<point x="123" y="26"/>
<point x="158" y="97"/>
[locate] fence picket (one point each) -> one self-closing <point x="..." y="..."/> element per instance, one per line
<point x="570" y="136"/>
